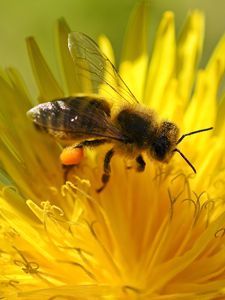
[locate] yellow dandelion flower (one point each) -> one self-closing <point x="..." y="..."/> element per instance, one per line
<point x="159" y="234"/>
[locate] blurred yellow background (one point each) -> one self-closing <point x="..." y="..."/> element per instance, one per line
<point x="19" y="19"/>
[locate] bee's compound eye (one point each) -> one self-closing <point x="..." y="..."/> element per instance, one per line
<point x="71" y="155"/>
<point x="161" y="148"/>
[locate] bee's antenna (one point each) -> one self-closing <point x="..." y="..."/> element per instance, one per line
<point x="185" y="158"/>
<point x="190" y="133"/>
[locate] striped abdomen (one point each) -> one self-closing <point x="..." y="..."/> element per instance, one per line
<point x="73" y="117"/>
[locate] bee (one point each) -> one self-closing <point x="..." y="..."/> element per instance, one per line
<point x="112" y="116"/>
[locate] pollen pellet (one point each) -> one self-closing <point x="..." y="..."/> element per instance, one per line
<point x="71" y="156"/>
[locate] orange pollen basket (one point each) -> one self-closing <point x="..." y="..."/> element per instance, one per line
<point x="71" y="156"/>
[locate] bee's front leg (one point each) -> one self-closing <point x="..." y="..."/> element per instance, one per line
<point x="140" y="163"/>
<point x="107" y="169"/>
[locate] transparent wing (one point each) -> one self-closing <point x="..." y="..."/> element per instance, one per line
<point x="92" y="66"/>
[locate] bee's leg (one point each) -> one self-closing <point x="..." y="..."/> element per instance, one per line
<point x="66" y="171"/>
<point x="107" y="169"/>
<point x="140" y="163"/>
<point x="92" y="143"/>
<point x="87" y="143"/>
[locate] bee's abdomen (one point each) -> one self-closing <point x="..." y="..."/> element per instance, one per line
<point x="71" y="117"/>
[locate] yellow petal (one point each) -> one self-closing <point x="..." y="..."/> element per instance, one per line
<point x="134" y="54"/>
<point x="162" y="65"/>
<point x="189" y="50"/>
<point x="65" y="59"/>
<point x="216" y="65"/>
<point x="106" y="47"/>
<point x="215" y="69"/>
<point x="47" y="84"/>
<point x="83" y="64"/>
<point x="203" y="103"/>
<point x="180" y="263"/>
<point x="106" y="87"/>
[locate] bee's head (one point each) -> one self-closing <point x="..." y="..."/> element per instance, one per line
<point x="162" y="146"/>
<point x="166" y="139"/>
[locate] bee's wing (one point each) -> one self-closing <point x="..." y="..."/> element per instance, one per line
<point x="75" y="118"/>
<point x="92" y="65"/>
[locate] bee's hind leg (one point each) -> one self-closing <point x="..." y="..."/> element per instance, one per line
<point x="67" y="167"/>
<point x="140" y="163"/>
<point x="66" y="170"/>
<point x="107" y="169"/>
